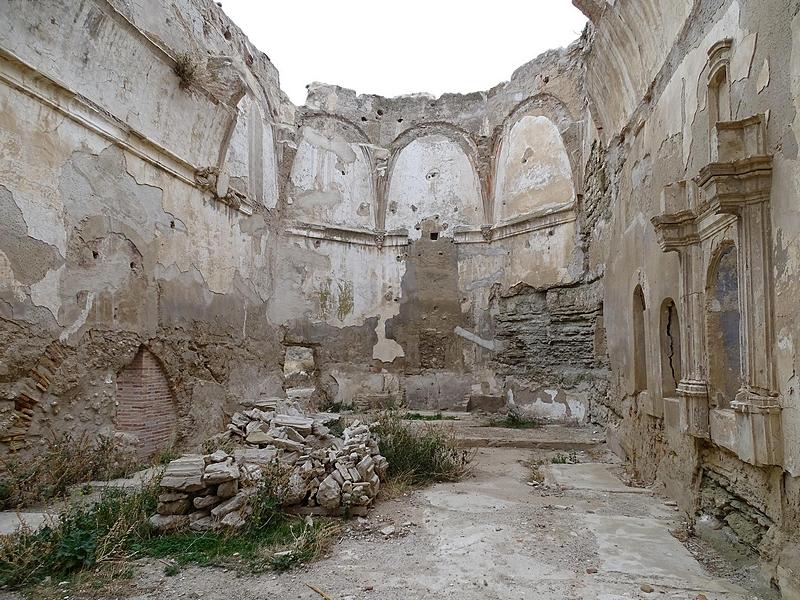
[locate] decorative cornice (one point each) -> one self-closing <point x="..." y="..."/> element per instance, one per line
<point x="535" y="221"/>
<point x="345" y="235"/>
<point x="543" y="219"/>
<point x="727" y="187"/>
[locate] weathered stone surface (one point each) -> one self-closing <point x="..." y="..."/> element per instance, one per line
<point x="176" y="507"/>
<point x="228" y="489"/>
<point x="329" y="493"/>
<point x="235" y="503"/>
<point x="259" y="437"/>
<point x="172" y="497"/>
<point x="233" y="519"/>
<point x="220" y="472"/>
<point x="216" y="457"/>
<point x="184" y="474"/>
<point x="296" y="489"/>
<point x="206" y="523"/>
<point x="258" y="456"/>
<point x="301" y="425"/>
<point x="166" y="523"/>
<point x="201" y="502"/>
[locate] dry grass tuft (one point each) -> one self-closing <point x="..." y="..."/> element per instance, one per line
<point x="186" y="69"/>
<point x="63" y="462"/>
<point x="419" y="455"/>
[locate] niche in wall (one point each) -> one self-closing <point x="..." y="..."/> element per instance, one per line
<point x="146" y="407"/>
<point x="670" y="348"/>
<point x="533" y="169"/>
<point x="639" y="344"/>
<point x="433" y="186"/>
<point x="722" y="328"/>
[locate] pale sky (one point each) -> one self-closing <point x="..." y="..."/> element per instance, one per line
<point x="402" y="47"/>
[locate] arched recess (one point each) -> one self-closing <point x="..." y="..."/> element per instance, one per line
<point x="670" y="350"/>
<point x="433" y="183"/>
<point x="146" y="407"/>
<point x="536" y="158"/>
<point x="722" y="327"/>
<point x="249" y="156"/>
<point x="332" y="179"/>
<point x="719" y="91"/>
<point x="639" y="346"/>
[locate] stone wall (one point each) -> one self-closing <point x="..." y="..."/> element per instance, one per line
<point x="161" y="195"/>
<point x="670" y="87"/>
<point x="113" y="237"/>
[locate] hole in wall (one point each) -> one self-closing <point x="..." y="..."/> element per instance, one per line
<point x="95" y="254"/>
<point x="172" y="224"/>
<point x="434" y="235"/>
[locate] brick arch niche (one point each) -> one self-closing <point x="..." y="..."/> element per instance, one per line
<point x="145" y="404"/>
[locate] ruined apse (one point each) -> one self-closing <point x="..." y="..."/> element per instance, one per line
<point x="610" y="236"/>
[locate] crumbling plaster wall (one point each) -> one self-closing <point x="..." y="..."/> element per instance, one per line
<point x="109" y="242"/>
<point x="654" y="124"/>
<point x="160" y="191"/>
<point x="469" y="198"/>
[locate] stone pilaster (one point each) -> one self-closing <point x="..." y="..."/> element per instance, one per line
<point x="741" y="186"/>
<point x="677" y="232"/>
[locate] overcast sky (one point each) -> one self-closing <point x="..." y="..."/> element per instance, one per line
<point x="405" y="46"/>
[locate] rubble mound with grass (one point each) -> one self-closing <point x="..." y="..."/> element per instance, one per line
<point x="316" y="471"/>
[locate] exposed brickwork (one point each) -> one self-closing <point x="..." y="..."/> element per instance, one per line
<point x="146" y="407"/>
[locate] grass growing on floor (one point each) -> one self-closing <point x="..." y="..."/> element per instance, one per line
<point x="536" y="471"/>
<point x="116" y="529"/>
<point x="289" y="541"/>
<point x="435" y="417"/>
<point x="63" y="462"/>
<point x="420" y="455"/>
<point x="84" y="537"/>
<point x="514" y="421"/>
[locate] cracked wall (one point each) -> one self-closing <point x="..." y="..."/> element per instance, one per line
<point x="651" y="74"/>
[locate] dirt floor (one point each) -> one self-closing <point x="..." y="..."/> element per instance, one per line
<point x="580" y="534"/>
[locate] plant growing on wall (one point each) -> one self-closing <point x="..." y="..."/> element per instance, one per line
<point x="186" y="69"/>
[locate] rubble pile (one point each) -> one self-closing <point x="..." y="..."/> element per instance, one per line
<point x="324" y="474"/>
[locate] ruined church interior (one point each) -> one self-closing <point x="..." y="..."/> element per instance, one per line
<point x="588" y="276"/>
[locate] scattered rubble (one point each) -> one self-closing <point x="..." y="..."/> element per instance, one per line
<point x="324" y="474"/>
